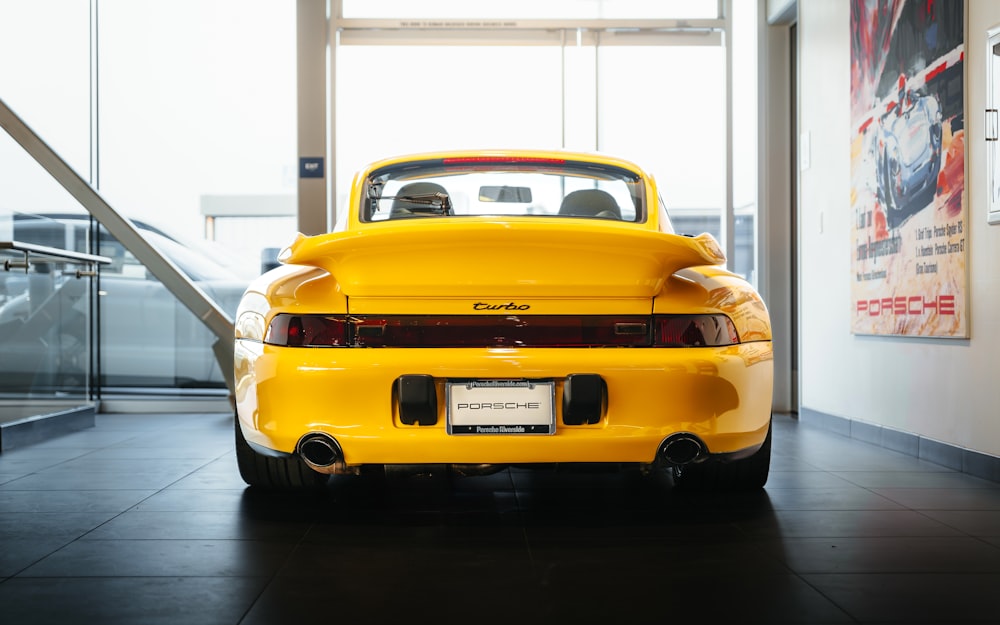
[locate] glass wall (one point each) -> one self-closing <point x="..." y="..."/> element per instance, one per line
<point x="196" y="100"/>
<point x="45" y="312"/>
<point x="200" y="106"/>
<point x="46" y="296"/>
<point x="655" y="95"/>
<point x="174" y="109"/>
<point x="665" y="108"/>
<point x="550" y="9"/>
<point x="164" y="108"/>
<point x="394" y="100"/>
<point x="45" y="78"/>
<point x="46" y="306"/>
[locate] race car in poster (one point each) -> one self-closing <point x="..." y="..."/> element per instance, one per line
<point x="908" y="155"/>
<point x="491" y="309"/>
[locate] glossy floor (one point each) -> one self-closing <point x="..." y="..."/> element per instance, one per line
<point x="144" y="519"/>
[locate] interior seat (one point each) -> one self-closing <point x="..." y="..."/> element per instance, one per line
<point x="590" y="203"/>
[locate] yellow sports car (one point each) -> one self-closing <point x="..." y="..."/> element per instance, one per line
<point x="481" y="310"/>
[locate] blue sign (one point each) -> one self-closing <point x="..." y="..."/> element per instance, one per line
<point x="310" y="167"/>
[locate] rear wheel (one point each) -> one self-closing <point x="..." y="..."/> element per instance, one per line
<point x="749" y="473"/>
<point x="269" y="473"/>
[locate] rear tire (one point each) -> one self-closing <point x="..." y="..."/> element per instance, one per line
<point x="287" y="473"/>
<point x="747" y="474"/>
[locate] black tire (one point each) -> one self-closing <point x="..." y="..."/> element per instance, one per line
<point x="747" y="474"/>
<point x="288" y="473"/>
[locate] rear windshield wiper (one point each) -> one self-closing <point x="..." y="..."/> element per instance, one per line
<point x="436" y="203"/>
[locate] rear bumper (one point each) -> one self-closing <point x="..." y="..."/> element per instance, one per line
<point x="721" y="395"/>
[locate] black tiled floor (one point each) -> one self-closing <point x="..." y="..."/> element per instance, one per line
<point x="144" y="519"/>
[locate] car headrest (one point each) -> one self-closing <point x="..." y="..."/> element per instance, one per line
<point x="590" y="203"/>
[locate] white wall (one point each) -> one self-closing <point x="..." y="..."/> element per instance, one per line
<point x="944" y="390"/>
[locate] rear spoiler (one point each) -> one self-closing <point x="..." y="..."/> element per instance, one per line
<point x="473" y="252"/>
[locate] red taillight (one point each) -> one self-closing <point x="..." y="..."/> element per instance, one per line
<point x="296" y="333"/>
<point x="502" y="159"/>
<point x="501" y="331"/>
<point x="459" y="331"/>
<point x="694" y="331"/>
<point x="307" y="331"/>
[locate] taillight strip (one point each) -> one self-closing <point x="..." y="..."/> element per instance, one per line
<point x="700" y="330"/>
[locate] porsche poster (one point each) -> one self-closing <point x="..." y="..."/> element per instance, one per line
<point x="908" y="201"/>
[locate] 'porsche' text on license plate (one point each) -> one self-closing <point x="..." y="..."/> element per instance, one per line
<point x="501" y="407"/>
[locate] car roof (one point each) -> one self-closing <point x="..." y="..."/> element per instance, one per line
<point x="524" y="155"/>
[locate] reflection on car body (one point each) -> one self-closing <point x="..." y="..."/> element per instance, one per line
<point x="479" y="310"/>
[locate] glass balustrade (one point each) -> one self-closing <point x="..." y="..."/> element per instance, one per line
<point x="46" y="336"/>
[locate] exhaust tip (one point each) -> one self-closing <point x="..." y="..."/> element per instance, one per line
<point x="319" y="451"/>
<point x="681" y="449"/>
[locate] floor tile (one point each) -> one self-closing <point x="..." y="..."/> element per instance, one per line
<point x="914" y="479"/>
<point x="26" y="460"/>
<point x="847" y="523"/>
<point x="128" y="600"/>
<point x="178" y="500"/>
<point x="399" y="598"/>
<point x="913" y="599"/>
<point x="99" y="463"/>
<point x="982" y="523"/>
<point x="617" y="555"/>
<point x="906" y="555"/>
<point x="71" y="500"/>
<point x="88" y="439"/>
<point x="162" y="558"/>
<point x="680" y="597"/>
<point x="130" y="452"/>
<point x="555" y="595"/>
<point x="145" y="520"/>
<point x="219" y="474"/>
<point x="154" y="525"/>
<point x="804" y="479"/>
<point x="95" y="480"/>
<point x="851" y="498"/>
<point x="943" y="498"/>
<point x="26" y="538"/>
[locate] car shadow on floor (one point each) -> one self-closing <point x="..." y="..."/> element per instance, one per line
<point x="585" y="545"/>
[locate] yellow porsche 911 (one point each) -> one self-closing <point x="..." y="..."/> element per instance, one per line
<point x="483" y="310"/>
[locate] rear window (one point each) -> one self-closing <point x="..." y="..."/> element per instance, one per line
<point x="512" y="187"/>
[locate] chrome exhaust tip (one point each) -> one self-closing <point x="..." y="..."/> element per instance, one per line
<point x="319" y="450"/>
<point x="680" y="449"/>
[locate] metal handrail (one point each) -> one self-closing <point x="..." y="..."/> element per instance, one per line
<point x="55" y="253"/>
<point x="180" y="286"/>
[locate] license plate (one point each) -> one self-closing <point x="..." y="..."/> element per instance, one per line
<point x="501" y="407"/>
